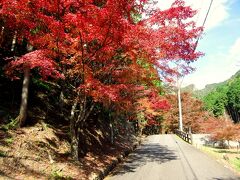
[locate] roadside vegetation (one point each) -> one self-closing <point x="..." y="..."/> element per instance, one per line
<point x="229" y="157"/>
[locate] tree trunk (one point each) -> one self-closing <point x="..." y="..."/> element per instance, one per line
<point x="74" y="141"/>
<point x="23" y="108"/>
<point x="74" y="133"/>
<point x="111" y="133"/>
<point x="7" y="39"/>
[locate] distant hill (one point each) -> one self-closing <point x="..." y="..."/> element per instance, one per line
<point x="208" y="88"/>
<point x="190" y="88"/>
<point x="211" y="87"/>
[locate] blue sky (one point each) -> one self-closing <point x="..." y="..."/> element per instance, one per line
<point x="220" y="41"/>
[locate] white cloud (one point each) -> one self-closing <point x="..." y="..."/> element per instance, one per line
<point x="217" y="67"/>
<point x="235" y="49"/>
<point x="234" y="54"/>
<point x="213" y="70"/>
<point x="218" y="13"/>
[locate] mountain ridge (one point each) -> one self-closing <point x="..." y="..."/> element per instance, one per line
<point x="208" y="88"/>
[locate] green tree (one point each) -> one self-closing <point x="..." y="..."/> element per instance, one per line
<point x="216" y="101"/>
<point x="234" y="99"/>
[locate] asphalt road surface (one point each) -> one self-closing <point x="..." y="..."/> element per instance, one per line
<point x="166" y="157"/>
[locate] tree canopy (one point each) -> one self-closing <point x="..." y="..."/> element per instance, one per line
<point x="100" y="52"/>
<point x="225" y="99"/>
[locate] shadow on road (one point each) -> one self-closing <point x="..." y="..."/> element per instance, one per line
<point x="145" y="154"/>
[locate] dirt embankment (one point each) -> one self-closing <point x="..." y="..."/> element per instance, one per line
<point x="42" y="152"/>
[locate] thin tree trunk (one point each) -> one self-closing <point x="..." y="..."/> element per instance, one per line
<point x="7" y="39"/>
<point x="83" y="115"/>
<point x="23" y="108"/>
<point x="235" y="115"/>
<point x="74" y="141"/>
<point x="13" y="47"/>
<point x="61" y="102"/>
<point x="74" y="132"/>
<point x="111" y="133"/>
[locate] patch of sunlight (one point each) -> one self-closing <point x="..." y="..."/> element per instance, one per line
<point x="99" y="132"/>
<point x="227" y="156"/>
<point x="236" y="163"/>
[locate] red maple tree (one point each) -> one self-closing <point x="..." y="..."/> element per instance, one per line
<point x="103" y="51"/>
<point x="193" y="114"/>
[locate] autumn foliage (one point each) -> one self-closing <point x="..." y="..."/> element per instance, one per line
<point x="101" y="51"/>
<point x="221" y="129"/>
<point x="192" y="110"/>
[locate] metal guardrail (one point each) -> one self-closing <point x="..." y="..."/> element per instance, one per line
<point x="185" y="136"/>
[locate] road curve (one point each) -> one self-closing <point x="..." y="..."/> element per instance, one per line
<point x="166" y="157"/>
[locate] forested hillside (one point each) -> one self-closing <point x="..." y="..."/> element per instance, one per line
<point x="224" y="98"/>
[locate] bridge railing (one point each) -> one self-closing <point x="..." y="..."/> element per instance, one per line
<point x="185" y="136"/>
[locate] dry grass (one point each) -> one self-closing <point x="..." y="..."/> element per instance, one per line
<point x="229" y="157"/>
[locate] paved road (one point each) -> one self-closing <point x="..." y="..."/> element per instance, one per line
<point x="166" y="157"/>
